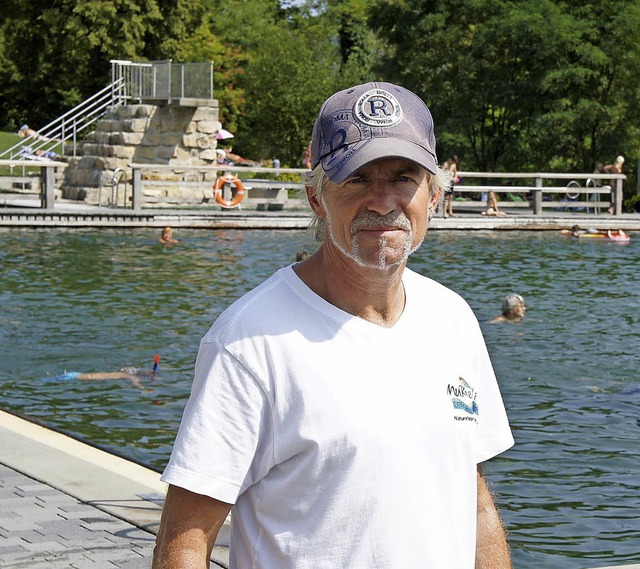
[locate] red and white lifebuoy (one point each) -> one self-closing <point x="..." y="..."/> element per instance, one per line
<point x="237" y="198"/>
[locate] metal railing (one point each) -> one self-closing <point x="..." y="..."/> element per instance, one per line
<point x="163" y="80"/>
<point x="66" y="129"/>
<point x="541" y="192"/>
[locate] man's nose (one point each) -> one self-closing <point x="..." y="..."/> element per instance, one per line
<point x="381" y="198"/>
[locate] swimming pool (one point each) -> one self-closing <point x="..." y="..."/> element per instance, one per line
<point x="88" y="300"/>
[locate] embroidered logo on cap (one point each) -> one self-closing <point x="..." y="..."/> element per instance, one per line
<point x="377" y="107"/>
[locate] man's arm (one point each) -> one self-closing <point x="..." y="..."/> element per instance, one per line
<point x="188" y="529"/>
<point x="492" y="551"/>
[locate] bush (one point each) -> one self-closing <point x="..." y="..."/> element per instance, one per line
<point x="632" y="205"/>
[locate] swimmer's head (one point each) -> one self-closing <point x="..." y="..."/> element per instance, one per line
<point x="513" y="307"/>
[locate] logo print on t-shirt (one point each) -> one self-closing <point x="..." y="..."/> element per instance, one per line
<point x="463" y="397"/>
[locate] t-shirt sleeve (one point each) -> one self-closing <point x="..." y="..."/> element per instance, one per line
<point x="224" y="443"/>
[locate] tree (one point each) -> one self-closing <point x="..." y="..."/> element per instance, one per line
<point x="59" y="55"/>
<point x="286" y="82"/>
<point x="515" y="85"/>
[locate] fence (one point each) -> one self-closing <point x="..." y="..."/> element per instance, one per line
<point x="545" y="196"/>
<point x="162" y="80"/>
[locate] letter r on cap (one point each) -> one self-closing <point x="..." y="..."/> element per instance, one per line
<point x="376" y="106"/>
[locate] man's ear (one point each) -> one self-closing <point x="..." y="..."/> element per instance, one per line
<point x="434" y="198"/>
<point x="314" y="202"/>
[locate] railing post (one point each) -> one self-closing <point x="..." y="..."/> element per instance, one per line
<point x="537" y="197"/>
<point x="47" y="192"/>
<point x="211" y="95"/>
<point x="136" y="191"/>
<point x="617" y="208"/>
<point x="169" y="82"/>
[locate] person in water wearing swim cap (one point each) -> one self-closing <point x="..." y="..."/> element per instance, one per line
<point x="513" y="309"/>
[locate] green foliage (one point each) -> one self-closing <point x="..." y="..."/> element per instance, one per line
<point x="58" y="55"/>
<point x="516" y="84"/>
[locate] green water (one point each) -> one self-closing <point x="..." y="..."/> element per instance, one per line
<point x="569" y="490"/>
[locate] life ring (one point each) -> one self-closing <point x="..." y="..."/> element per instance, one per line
<point x="217" y="191"/>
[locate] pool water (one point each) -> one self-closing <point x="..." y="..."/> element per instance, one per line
<point x="101" y="300"/>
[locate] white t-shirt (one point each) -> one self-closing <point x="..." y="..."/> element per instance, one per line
<point x="342" y="444"/>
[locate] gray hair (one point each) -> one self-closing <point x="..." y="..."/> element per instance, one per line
<point x="511" y="301"/>
<point x="317" y="180"/>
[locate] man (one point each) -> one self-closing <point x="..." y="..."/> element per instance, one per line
<point x="513" y="307"/>
<point x="332" y="406"/>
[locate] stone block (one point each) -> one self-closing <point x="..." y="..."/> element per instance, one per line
<point x="86" y="163"/>
<point x="165" y="152"/>
<point x="101" y="137"/>
<point x="172" y="138"/>
<point x="124" y="152"/>
<point x="135" y="125"/>
<point x="151" y="138"/>
<point x="207" y="141"/>
<point x="104" y="163"/>
<point x="145" y="154"/>
<point x="145" y="111"/>
<point x="181" y="154"/>
<point x="88" y="149"/>
<point x="127" y="111"/>
<point x="134" y="138"/>
<point x="105" y="125"/>
<point x="205" y="114"/>
<point x="190" y="140"/>
<point x="209" y="127"/>
<point x="208" y="155"/>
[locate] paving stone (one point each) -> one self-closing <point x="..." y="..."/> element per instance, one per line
<point x="43" y="528"/>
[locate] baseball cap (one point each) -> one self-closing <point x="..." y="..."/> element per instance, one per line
<point x="371" y="121"/>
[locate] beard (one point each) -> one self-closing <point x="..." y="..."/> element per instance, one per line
<point x="387" y="254"/>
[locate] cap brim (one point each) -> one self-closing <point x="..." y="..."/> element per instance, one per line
<point x="379" y="148"/>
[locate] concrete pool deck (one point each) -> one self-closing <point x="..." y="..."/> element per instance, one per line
<point x="67" y="504"/>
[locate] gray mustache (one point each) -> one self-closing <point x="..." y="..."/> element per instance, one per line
<point x="368" y="220"/>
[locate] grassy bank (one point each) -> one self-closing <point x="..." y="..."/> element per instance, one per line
<point x="7" y="140"/>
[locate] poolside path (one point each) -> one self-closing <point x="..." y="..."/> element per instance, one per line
<point x="66" y="504"/>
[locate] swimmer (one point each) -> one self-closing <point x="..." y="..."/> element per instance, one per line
<point x="301" y="255"/>
<point x="513" y="309"/>
<point x="132" y="374"/>
<point x="166" y="237"/>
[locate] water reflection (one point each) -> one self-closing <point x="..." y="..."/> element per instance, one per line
<point x="101" y="300"/>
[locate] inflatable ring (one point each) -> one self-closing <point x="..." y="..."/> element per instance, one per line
<point x="217" y="191"/>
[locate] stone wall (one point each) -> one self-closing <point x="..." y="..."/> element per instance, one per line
<point x="148" y="134"/>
